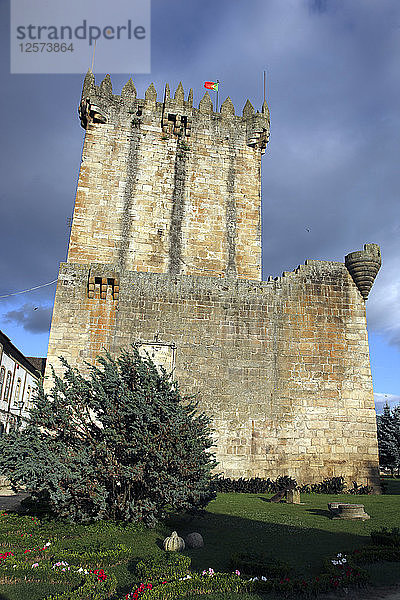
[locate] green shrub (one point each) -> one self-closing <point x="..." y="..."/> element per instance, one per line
<point x="122" y="444"/>
<point x="333" y="485"/>
<point x="256" y="485"/>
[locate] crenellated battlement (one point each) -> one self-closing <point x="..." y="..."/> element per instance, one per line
<point x="167" y="187"/>
<point x="174" y="114"/>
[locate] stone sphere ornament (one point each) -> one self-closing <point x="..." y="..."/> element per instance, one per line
<point x="174" y="543"/>
<point x="194" y="540"/>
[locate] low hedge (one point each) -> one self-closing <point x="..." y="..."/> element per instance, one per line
<point x="256" y="485"/>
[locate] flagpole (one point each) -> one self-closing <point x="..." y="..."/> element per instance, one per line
<point x="217" y="93"/>
<point x="94" y="50"/>
<point x="265" y="78"/>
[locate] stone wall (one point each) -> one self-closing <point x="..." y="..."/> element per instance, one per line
<point x="282" y="366"/>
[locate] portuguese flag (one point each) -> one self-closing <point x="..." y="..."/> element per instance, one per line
<point x="211" y="85"/>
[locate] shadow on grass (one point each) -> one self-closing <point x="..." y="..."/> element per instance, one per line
<point x="392" y="484"/>
<point x="269" y="501"/>
<point x="160" y="542"/>
<point x="301" y="535"/>
<point x="320" y="512"/>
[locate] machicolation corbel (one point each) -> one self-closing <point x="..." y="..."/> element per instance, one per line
<point x="257" y="130"/>
<point x="363" y="266"/>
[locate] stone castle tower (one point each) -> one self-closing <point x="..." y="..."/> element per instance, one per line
<point x="165" y="251"/>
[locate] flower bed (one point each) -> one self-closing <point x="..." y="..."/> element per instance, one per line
<point x="98" y="561"/>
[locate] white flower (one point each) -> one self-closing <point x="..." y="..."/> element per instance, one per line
<point x="264" y="578"/>
<point x="48" y="544"/>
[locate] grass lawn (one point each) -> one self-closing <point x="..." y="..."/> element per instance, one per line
<point x="301" y="535"/>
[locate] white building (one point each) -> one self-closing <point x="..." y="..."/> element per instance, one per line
<point x="18" y="382"/>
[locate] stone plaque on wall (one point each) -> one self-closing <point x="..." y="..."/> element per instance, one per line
<point x="161" y="353"/>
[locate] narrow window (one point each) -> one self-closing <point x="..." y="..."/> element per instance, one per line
<point x="2" y="376"/>
<point x="8" y="383"/>
<point x="17" y="389"/>
<point x="28" y="397"/>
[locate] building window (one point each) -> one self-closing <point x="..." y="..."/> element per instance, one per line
<point x="17" y="389"/>
<point x="28" y="397"/>
<point x="2" y="376"/>
<point x="7" y="390"/>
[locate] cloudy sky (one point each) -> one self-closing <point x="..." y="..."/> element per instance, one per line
<point x="330" y="173"/>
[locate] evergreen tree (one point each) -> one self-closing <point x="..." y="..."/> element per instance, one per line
<point x="121" y="444"/>
<point x="388" y="439"/>
<point x="396" y="420"/>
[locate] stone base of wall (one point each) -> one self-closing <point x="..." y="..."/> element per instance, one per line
<point x="281" y="366"/>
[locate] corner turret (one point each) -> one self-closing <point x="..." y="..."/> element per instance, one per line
<point x="363" y="266"/>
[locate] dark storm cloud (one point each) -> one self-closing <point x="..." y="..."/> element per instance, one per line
<point x="35" y="319"/>
<point x="330" y="174"/>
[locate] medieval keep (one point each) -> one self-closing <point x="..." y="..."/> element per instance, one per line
<point x="165" y="251"/>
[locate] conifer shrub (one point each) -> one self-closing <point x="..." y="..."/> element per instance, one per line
<point x="120" y="444"/>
